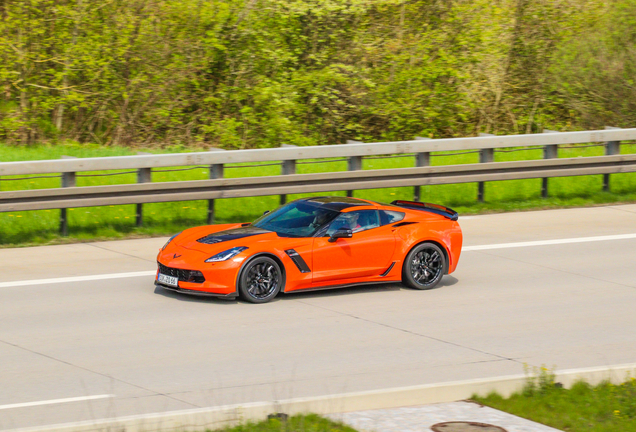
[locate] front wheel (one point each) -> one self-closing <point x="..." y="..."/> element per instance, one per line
<point x="424" y="266"/>
<point x="260" y="280"/>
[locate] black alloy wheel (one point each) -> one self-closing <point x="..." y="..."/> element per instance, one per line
<point x="261" y="279"/>
<point x="424" y="266"/>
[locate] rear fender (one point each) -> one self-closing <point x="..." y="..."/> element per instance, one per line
<point x="446" y="234"/>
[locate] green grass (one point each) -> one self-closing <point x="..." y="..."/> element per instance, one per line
<point x="299" y="423"/>
<point x="582" y="408"/>
<point x="111" y="222"/>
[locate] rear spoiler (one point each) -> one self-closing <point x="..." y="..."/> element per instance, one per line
<point x="433" y="208"/>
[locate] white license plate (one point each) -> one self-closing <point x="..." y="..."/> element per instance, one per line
<point x="168" y="280"/>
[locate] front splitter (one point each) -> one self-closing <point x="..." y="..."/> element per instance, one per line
<point x="231" y="296"/>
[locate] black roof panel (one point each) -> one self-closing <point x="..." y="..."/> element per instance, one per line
<point x="338" y="203"/>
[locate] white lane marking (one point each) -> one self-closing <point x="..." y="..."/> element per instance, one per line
<point x="464" y="249"/>
<point x="77" y="279"/>
<point x="549" y="242"/>
<point x="55" y="401"/>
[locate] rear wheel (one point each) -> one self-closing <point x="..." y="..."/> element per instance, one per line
<point x="261" y="280"/>
<point x="424" y="266"/>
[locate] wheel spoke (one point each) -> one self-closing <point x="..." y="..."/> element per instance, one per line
<point x="252" y="288"/>
<point x="425" y="276"/>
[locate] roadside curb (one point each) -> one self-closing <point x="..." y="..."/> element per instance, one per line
<point x="221" y="416"/>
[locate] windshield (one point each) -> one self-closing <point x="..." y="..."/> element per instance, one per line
<point x="296" y="219"/>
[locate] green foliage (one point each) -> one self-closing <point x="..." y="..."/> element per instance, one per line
<point x="258" y="73"/>
<point x="298" y="423"/>
<point x="539" y="381"/>
<point x="595" y="73"/>
<point x="602" y="408"/>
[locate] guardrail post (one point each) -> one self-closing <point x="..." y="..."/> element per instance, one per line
<point x="549" y="152"/>
<point x="144" y="175"/>
<point x="421" y="159"/>
<point x="485" y="156"/>
<point x="354" y="163"/>
<point x="287" y="167"/>
<point x="611" y="148"/>
<point x="216" y="172"/>
<point x="68" y="180"/>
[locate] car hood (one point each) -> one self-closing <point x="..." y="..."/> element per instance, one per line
<point x="222" y="240"/>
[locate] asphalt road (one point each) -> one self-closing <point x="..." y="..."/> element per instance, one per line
<point x="125" y="347"/>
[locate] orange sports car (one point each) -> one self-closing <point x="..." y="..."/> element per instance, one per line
<point x="311" y="244"/>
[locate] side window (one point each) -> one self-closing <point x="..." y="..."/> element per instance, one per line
<point x="389" y="217"/>
<point x="356" y="221"/>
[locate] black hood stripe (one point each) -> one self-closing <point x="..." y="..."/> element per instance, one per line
<point x="232" y="234"/>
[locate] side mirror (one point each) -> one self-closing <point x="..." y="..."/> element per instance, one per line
<point x="341" y="233"/>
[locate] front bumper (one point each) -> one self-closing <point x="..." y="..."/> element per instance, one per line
<point x="219" y="278"/>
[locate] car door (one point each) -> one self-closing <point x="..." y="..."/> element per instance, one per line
<point x="367" y="253"/>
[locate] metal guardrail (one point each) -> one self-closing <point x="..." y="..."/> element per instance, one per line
<point x="91" y="196"/>
<point x="312" y="152"/>
<point x="289" y="182"/>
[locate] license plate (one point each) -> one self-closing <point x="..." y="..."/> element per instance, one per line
<point x="168" y="280"/>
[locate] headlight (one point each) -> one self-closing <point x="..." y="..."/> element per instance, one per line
<point x="169" y="240"/>
<point x="226" y="255"/>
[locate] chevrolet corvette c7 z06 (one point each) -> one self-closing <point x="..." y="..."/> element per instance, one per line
<point x="314" y="243"/>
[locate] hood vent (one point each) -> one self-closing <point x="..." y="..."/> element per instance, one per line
<point x="232" y="234"/>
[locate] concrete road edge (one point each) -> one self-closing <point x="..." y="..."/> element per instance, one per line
<point x="221" y="416"/>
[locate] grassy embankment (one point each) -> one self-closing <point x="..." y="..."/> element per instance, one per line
<point x="299" y="423"/>
<point x="40" y="227"/>
<point x="583" y="408"/>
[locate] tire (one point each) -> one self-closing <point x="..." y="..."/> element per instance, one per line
<point x="424" y="266"/>
<point x="261" y="280"/>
